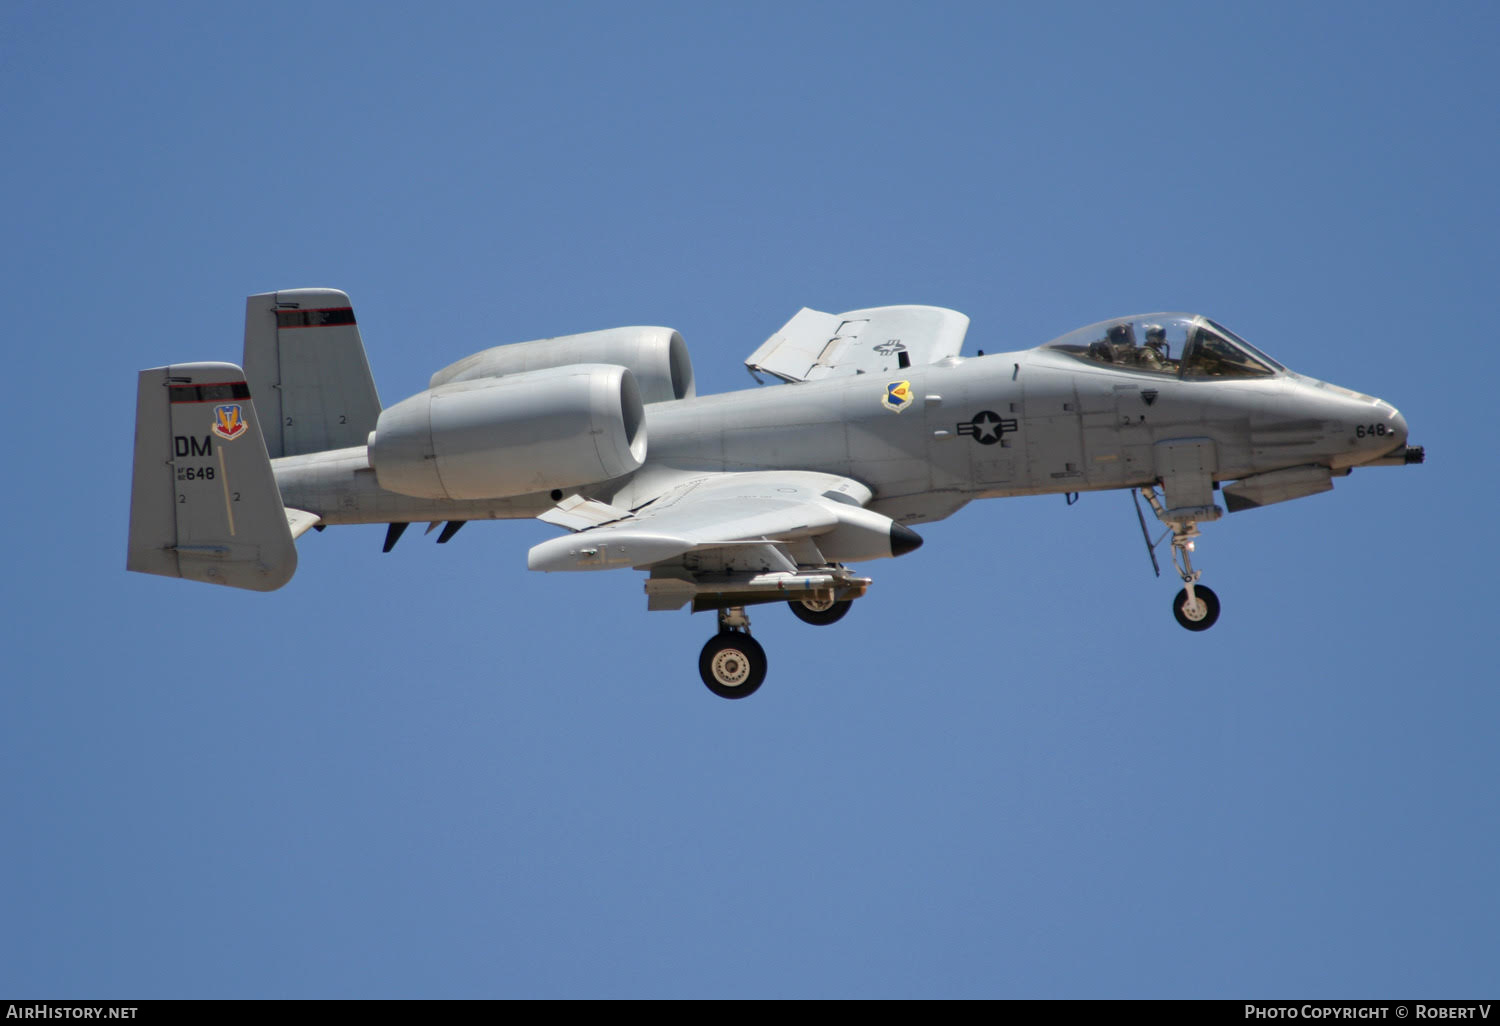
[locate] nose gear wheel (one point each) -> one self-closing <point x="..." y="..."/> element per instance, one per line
<point x="1197" y="612"/>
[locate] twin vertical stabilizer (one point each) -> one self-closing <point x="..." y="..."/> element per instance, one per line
<point x="306" y="366"/>
<point x="203" y="501"/>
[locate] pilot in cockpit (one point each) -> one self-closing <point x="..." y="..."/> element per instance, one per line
<point x="1118" y="346"/>
<point x="1157" y="351"/>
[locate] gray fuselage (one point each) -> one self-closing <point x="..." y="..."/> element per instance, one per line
<point x="1022" y="423"/>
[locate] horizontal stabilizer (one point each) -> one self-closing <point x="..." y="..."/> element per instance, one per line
<point x="299" y="521"/>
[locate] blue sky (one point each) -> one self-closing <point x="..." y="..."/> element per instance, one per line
<point x="1007" y="773"/>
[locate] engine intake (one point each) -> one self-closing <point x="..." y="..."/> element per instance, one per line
<point x="528" y="432"/>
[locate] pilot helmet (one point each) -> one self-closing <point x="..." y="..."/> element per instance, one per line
<point x="1155" y="334"/>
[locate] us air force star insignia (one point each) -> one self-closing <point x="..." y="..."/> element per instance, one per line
<point x="894" y="345"/>
<point x="897" y="396"/>
<point x="987" y="427"/>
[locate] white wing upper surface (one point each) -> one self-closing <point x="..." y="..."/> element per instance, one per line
<point x="879" y="340"/>
<point x="702" y="511"/>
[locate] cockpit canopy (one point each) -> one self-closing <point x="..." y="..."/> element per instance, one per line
<point x="1177" y="344"/>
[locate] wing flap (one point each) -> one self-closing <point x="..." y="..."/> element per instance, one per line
<point x="793" y="352"/>
<point x="622" y="545"/>
<point x="877" y="340"/>
<point x="707" y="511"/>
<point x="579" y="514"/>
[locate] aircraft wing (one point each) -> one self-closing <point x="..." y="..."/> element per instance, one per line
<point x="880" y="340"/>
<point x="759" y="516"/>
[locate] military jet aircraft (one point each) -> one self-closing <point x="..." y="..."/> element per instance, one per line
<point x="734" y="500"/>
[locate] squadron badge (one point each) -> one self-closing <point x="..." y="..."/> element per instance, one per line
<point x="228" y="422"/>
<point x="897" y="396"/>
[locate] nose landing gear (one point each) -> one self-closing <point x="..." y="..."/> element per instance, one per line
<point x="1196" y="607"/>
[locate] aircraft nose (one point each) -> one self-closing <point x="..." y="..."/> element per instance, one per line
<point x="1378" y="432"/>
<point x="1395" y="423"/>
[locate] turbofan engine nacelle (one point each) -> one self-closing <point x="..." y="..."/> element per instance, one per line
<point x="529" y="432"/>
<point x="656" y="356"/>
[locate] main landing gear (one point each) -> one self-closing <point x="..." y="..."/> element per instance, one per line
<point x="820" y="608"/>
<point x="1196" y="607"/>
<point x="733" y="664"/>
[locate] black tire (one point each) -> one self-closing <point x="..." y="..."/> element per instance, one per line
<point x="732" y="664"/>
<point x="1207" y="615"/>
<point x="819" y="614"/>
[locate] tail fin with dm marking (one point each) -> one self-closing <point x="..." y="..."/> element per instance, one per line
<point x="204" y="504"/>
